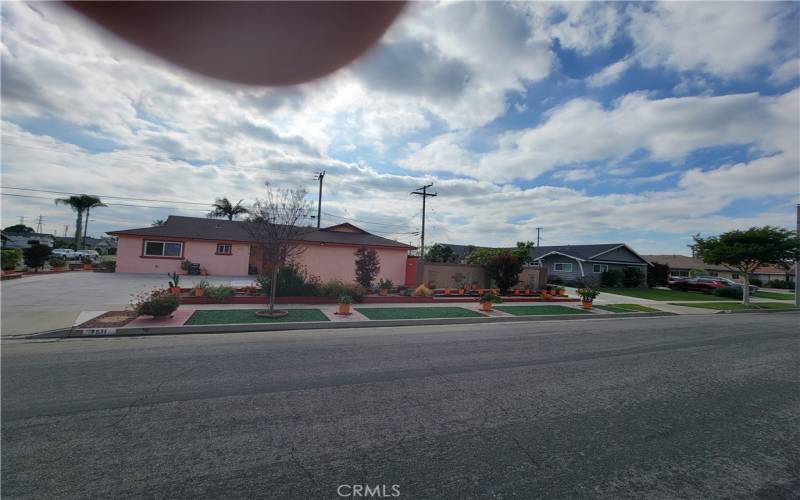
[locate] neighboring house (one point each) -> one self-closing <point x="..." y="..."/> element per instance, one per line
<point x="225" y="248"/>
<point x="18" y="240"/>
<point x="681" y="265"/>
<point x="105" y="245"/>
<point x="577" y="262"/>
<point x="769" y="273"/>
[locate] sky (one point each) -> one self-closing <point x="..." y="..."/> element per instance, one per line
<point x="642" y="123"/>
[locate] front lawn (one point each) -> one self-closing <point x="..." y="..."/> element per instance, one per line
<point x="660" y="295"/>
<point x="234" y="316"/>
<point x="539" y="310"/>
<point x="626" y="308"/>
<point x="417" y="312"/>
<point x="774" y="295"/>
<point x="736" y="306"/>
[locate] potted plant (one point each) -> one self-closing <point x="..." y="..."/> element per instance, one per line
<point x="88" y="265"/>
<point x="462" y="291"/>
<point x="560" y="291"/>
<point x="516" y="291"/>
<point x="527" y="290"/>
<point x="58" y="264"/>
<point x="185" y="265"/>
<point x="587" y="297"/>
<point x="156" y="303"/>
<point x="200" y="288"/>
<point x="10" y="258"/>
<point x="384" y="287"/>
<point x="487" y="299"/>
<point x="474" y="285"/>
<point x="447" y="291"/>
<point x="344" y="304"/>
<point x="174" y="284"/>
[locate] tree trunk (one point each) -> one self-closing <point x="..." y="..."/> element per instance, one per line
<point x="746" y="289"/>
<point x="78" y="228"/>
<point x="85" y="228"/>
<point x="273" y="287"/>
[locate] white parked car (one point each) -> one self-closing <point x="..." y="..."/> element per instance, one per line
<point x="92" y="254"/>
<point x="67" y="253"/>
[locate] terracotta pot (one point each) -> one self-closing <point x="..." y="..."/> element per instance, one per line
<point x="516" y="292"/>
<point x="486" y="306"/>
<point x="586" y="305"/>
<point x="58" y="269"/>
<point x="474" y="286"/>
<point x="88" y="267"/>
<point x="383" y="291"/>
<point x="447" y="291"/>
<point x="199" y="292"/>
<point x="344" y="309"/>
<point x="543" y="293"/>
<point x="527" y="291"/>
<point x="175" y="290"/>
<point x="562" y="293"/>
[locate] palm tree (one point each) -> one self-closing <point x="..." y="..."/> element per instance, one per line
<point x="80" y="204"/>
<point x="158" y="222"/>
<point x="224" y="208"/>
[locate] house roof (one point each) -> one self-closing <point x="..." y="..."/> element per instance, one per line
<point x="777" y="270"/>
<point x="200" y="228"/>
<point x="582" y="252"/>
<point x="684" y="262"/>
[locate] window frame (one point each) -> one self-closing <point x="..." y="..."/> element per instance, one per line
<point x="601" y="268"/>
<point x="224" y="243"/>
<point x="563" y="270"/>
<point x="145" y="255"/>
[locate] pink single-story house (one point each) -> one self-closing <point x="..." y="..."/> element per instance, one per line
<point x="225" y="248"/>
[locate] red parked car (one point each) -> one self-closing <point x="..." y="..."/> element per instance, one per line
<point x="705" y="285"/>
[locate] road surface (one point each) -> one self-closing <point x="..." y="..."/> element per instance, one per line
<point x="690" y="407"/>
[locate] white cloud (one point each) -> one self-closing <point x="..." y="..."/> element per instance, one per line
<point x="787" y="72"/>
<point x="609" y="74"/>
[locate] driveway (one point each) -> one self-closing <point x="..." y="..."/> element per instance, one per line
<point x="50" y="301"/>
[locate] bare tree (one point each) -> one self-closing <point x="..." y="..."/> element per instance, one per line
<point x="274" y="225"/>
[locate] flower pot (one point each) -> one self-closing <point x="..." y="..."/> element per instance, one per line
<point x="516" y="292"/>
<point x="447" y="291"/>
<point x="88" y="267"/>
<point x="383" y="291"/>
<point x="543" y="293"/>
<point x="58" y="269"/>
<point x="199" y="292"/>
<point x="461" y="291"/>
<point x="586" y="304"/>
<point x="486" y="306"/>
<point x="344" y="309"/>
<point x="562" y="293"/>
<point x="175" y="290"/>
<point x="527" y="291"/>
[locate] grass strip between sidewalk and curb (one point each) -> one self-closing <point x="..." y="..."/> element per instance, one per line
<point x="379" y="313"/>
<point x="539" y="310"/>
<point x="738" y="306"/>
<point x="773" y="295"/>
<point x="660" y="295"/>
<point x="626" y="308"/>
<point x="240" y="316"/>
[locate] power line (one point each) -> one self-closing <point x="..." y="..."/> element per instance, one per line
<point x="366" y="221"/>
<point x="109" y="204"/>
<point x="108" y="196"/>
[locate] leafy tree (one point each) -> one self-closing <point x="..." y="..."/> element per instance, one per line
<point x="222" y="207"/>
<point x="368" y="265"/>
<point x="481" y="256"/>
<point x="36" y="255"/>
<point x="10" y="258"/>
<point x="439" y="253"/>
<point x="158" y="222"/>
<point x="80" y="204"/>
<point x="504" y="267"/>
<point x="658" y="275"/>
<point x="523" y="251"/>
<point x="274" y="224"/>
<point x="19" y="229"/>
<point x="632" y="277"/>
<point x="747" y="250"/>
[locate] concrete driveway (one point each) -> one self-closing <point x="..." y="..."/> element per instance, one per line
<point x="39" y="303"/>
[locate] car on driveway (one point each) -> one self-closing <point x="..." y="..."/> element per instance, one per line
<point x="704" y="285"/>
<point x="730" y="283"/>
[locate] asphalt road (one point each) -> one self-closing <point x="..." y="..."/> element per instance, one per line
<point x="675" y="407"/>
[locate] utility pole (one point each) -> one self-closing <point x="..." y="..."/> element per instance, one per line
<point x="39" y="224"/>
<point x="320" y="176"/>
<point x="423" y="191"/>
<point x="538" y="231"/>
<point x="66" y="228"/>
<point x="85" y="228"/>
<point x="797" y="267"/>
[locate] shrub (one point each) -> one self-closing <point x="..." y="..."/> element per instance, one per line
<point x="368" y="265"/>
<point x="780" y="284"/>
<point x="658" y="275"/>
<point x="10" y="258"/>
<point x="504" y="268"/>
<point x="576" y="283"/>
<point x="386" y="284"/>
<point x="156" y="303"/>
<point x="587" y="294"/>
<point x="292" y="281"/>
<point x="756" y="282"/>
<point x="219" y="292"/>
<point x="730" y="292"/>
<point x="422" y="291"/>
<point x="556" y="280"/>
<point x="36" y="255"/>
<point x="611" y="278"/>
<point x="632" y="277"/>
<point x="403" y="291"/>
<point x="336" y="288"/>
<point x="108" y="265"/>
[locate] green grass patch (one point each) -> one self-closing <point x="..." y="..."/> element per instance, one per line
<point x="737" y="306"/>
<point x="539" y="310"/>
<point x="660" y="295"/>
<point x="774" y="295"/>
<point x="235" y="316"/>
<point x="417" y="312"/>
<point x="627" y="308"/>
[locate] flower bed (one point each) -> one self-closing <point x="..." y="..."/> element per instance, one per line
<point x="186" y="298"/>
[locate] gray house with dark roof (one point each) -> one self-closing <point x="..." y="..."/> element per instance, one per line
<point x="582" y="262"/>
<point x="226" y="248"/>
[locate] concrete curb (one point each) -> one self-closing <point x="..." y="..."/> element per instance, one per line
<point x="318" y="325"/>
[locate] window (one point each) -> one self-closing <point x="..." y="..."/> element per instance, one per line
<point x="163" y="249"/>
<point x="683" y="274"/>
<point x="563" y="267"/>
<point x="713" y="273"/>
<point x="224" y="249"/>
<point x="599" y="268"/>
<point x="735" y="276"/>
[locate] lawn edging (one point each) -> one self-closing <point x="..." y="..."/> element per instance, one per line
<point x="320" y="325"/>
